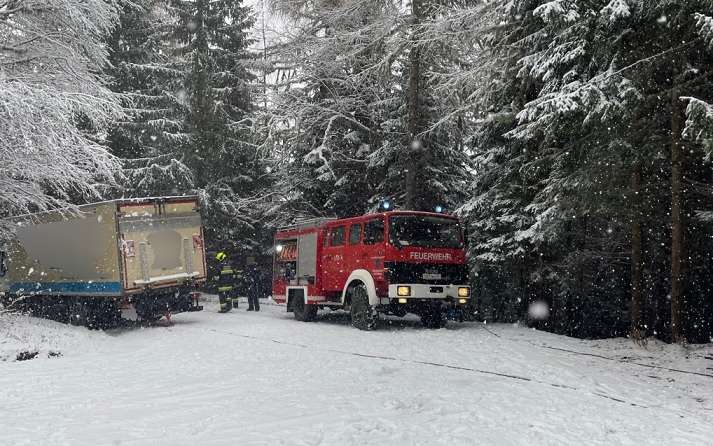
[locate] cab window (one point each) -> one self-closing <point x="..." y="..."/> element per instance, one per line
<point x="336" y="236"/>
<point x="355" y="234"/>
<point x="374" y="231"/>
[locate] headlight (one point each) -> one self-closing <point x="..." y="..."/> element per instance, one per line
<point x="403" y="291"/>
<point x="462" y="301"/>
<point x="463" y="291"/>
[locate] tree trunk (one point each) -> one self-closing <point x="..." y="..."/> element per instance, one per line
<point x="638" y="331"/>
<point x="264" y="57"/>
<point x="677" y="248"/>
<point x="414" y="110"/>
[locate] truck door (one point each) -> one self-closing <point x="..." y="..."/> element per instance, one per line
<point x="333" y="270"/>
<point x="354" y="258"/>
<point x="372" y="252"/>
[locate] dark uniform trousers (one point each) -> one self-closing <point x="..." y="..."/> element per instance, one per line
<point x="225" y="289"/>
<point x="253" y="299"/>
<point x="253" y="289"/>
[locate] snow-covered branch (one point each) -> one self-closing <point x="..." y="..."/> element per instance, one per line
<point x="54" y="107"/>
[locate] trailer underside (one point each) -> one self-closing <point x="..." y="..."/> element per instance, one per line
<point x="103" y="312"/>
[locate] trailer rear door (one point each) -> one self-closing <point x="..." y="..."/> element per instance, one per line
<point x="161" y="243"/>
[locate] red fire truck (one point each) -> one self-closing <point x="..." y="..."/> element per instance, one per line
<point x="395" y="263"/>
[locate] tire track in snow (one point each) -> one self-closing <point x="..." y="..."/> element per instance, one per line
<point x="429" y="363"/>
<point x="607" y="358"/>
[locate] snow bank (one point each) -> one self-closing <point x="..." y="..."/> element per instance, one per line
<point x="23" y="337"/>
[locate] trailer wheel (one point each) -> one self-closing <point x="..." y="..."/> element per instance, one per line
<point x="151" y="309"/>
<point x="77" y="312"/>
<point x="303" y="312"/>
<point x="105" y="314"/>
<point x="364" y="316"/>
<point x="433" y="317"/>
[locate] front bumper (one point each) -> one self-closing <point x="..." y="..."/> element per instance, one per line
<point x="431" y="292"/>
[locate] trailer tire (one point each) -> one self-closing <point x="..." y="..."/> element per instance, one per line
<point x="105" y="314"/>
<point x="303" y="312"/>
<point x="364" y="316"/>
<point x="77" y="310"/>
<point x="150" y="309"/>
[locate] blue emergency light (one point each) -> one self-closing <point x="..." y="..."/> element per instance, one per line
<point x="438" y="209"/>
<point x="385" y="204"/>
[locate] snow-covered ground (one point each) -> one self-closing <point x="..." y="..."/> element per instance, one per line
<point x="264" y="379"/>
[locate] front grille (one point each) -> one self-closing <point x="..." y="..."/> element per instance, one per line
<point x="402" y="272"/>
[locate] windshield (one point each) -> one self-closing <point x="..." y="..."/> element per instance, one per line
<point x="425" y="231"/>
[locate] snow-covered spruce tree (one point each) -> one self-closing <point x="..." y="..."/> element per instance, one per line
<point x="581" y="163"/>
<point x="522" y="226"/>
<point x="431" y="156"/>
<point x="210" y="43"/>
<point x="665" y="59"/>
<point x="349" y="129"/>
<point x="148" y="141"/>
<point x="330" y="101"/>
<point x="55" y="106"/>
<point x="589" y="145"/>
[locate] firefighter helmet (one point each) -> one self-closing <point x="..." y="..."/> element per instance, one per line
<point x="221" y="256"/>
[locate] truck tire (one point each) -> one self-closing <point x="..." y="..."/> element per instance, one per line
<point x="303" y="312"/>
<point x="150" y="309"/>
<point x="433" y="317"/>
<point x="364" y="316"/>
<point x="77" y="312"/>
<point x="105" y="315"/>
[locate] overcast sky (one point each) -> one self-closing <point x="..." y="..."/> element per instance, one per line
<point x="274" y="26"/>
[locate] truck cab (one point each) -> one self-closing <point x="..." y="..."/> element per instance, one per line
<point x="395" y="262"/>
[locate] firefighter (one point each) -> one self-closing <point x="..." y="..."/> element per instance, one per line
<point x="225" y="283"/>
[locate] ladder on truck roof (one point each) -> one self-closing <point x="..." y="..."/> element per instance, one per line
<point x="308" y="223"/>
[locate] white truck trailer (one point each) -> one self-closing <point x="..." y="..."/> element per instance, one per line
<point x="116" y="257"/>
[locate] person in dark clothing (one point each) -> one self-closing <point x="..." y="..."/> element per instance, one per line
<point x="239" y="286"/>
<point x="226" y="282"/>
<point x="253" y="286"/>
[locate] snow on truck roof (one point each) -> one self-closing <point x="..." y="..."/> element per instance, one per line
<point x="141" y="200"/>
<point x="321" y="222"/>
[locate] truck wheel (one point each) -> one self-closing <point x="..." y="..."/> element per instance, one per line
<point x="77" y="312"/>
<point x="150" y="309"/>
<point x="105" y="315"/>
<point x="303" y="312"/>
<point x="364" y="316"/>
<point x="433" y="317"/>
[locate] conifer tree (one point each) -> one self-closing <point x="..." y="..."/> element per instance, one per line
<point x="154" y="102"/>
<point x="361" y="113"/>
<point x="210" y="45"/>
<point x="185" y="70"/>
<point x="595" y="96"/>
